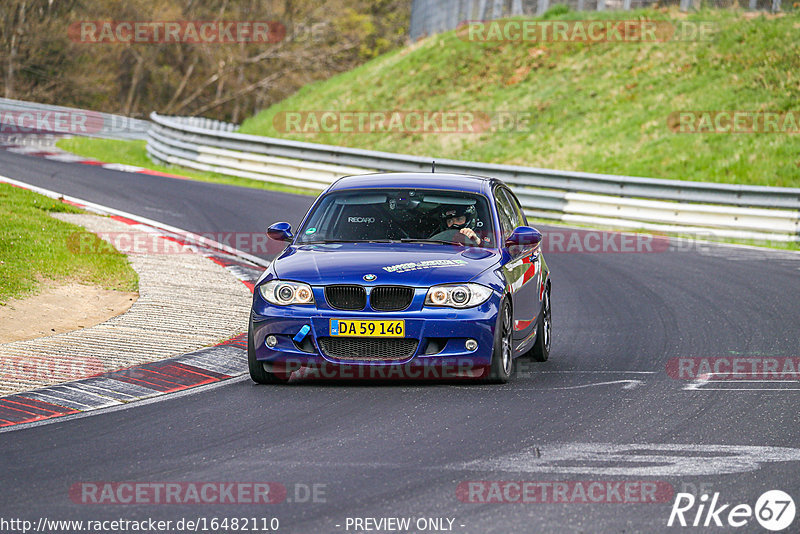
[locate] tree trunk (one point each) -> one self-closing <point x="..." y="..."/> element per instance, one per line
<point x="12" y="53"/>
<point x="135" y="79"/>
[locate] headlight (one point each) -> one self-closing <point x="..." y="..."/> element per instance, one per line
<point x="458" y="296"/>
<point x="283" y="293"/>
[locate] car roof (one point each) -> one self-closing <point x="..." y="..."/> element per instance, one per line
<point x="415" y="180"/>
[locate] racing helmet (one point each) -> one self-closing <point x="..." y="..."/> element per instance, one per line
<point x="458" y="210"/>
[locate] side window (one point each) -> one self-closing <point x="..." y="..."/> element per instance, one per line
<point x="504" y="211"/>
<point x="520" y="214"/>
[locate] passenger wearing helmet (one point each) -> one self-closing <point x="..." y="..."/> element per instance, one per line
<point x="456" y="221"/>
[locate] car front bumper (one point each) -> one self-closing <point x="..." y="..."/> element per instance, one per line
<point x="440" y="334"/>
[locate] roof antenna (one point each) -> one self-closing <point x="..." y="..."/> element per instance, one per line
<point x="433" y="166"/>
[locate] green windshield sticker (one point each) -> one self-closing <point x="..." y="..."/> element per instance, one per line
<point x="310" y="231"/>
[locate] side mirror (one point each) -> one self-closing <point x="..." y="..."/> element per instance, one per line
<point x="524" y="236"/>
<point x="281" y="231"/>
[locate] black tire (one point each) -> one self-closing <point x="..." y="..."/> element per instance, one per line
<point x="544" y="333"/>
<point x="258" y="373"/>
<point x="502" y="357"/>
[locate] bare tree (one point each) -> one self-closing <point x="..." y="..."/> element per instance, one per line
<point x="42" y="61"/>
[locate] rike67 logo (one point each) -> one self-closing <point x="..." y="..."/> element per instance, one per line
<point x="774" y="510"/>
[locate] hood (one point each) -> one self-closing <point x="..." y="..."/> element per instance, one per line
<point x="410" y="264"/>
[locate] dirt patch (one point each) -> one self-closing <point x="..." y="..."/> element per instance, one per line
<point x="60" y="308"/>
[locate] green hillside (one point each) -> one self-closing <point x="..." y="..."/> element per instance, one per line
<point x="596" y="107"/>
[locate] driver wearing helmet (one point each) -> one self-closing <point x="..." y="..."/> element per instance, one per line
<point x="457" y="220"/>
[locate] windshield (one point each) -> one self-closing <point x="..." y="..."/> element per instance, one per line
<point x="400" y="215"/>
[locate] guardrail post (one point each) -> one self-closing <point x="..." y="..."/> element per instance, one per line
<point x="626" y="5"/>
<point x="601" y="5"/>
<point x="776" y="6"/>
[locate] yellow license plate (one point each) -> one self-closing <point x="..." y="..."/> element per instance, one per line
<point x="368" y="328"/>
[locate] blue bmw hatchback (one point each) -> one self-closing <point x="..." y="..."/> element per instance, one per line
<point x="430" y="275"/>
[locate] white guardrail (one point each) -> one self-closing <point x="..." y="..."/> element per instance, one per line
<point x="655" y="205"/>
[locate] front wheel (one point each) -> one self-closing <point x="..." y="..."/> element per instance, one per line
<point x="502" y="360"/>
<point x="258" y="374"/>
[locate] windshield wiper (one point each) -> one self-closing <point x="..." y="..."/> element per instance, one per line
<point x="323" y="242"/>
<point x="419" y="240"/>
<point x="349" y="241"/>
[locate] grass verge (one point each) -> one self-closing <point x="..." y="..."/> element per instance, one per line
<point x="34" y="245"/>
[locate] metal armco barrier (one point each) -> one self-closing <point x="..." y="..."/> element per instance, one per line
<point x="656" y="205"/>
<point x="20" y="118"/>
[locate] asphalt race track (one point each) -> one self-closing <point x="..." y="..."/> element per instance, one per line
<point x="604" y="408"/>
